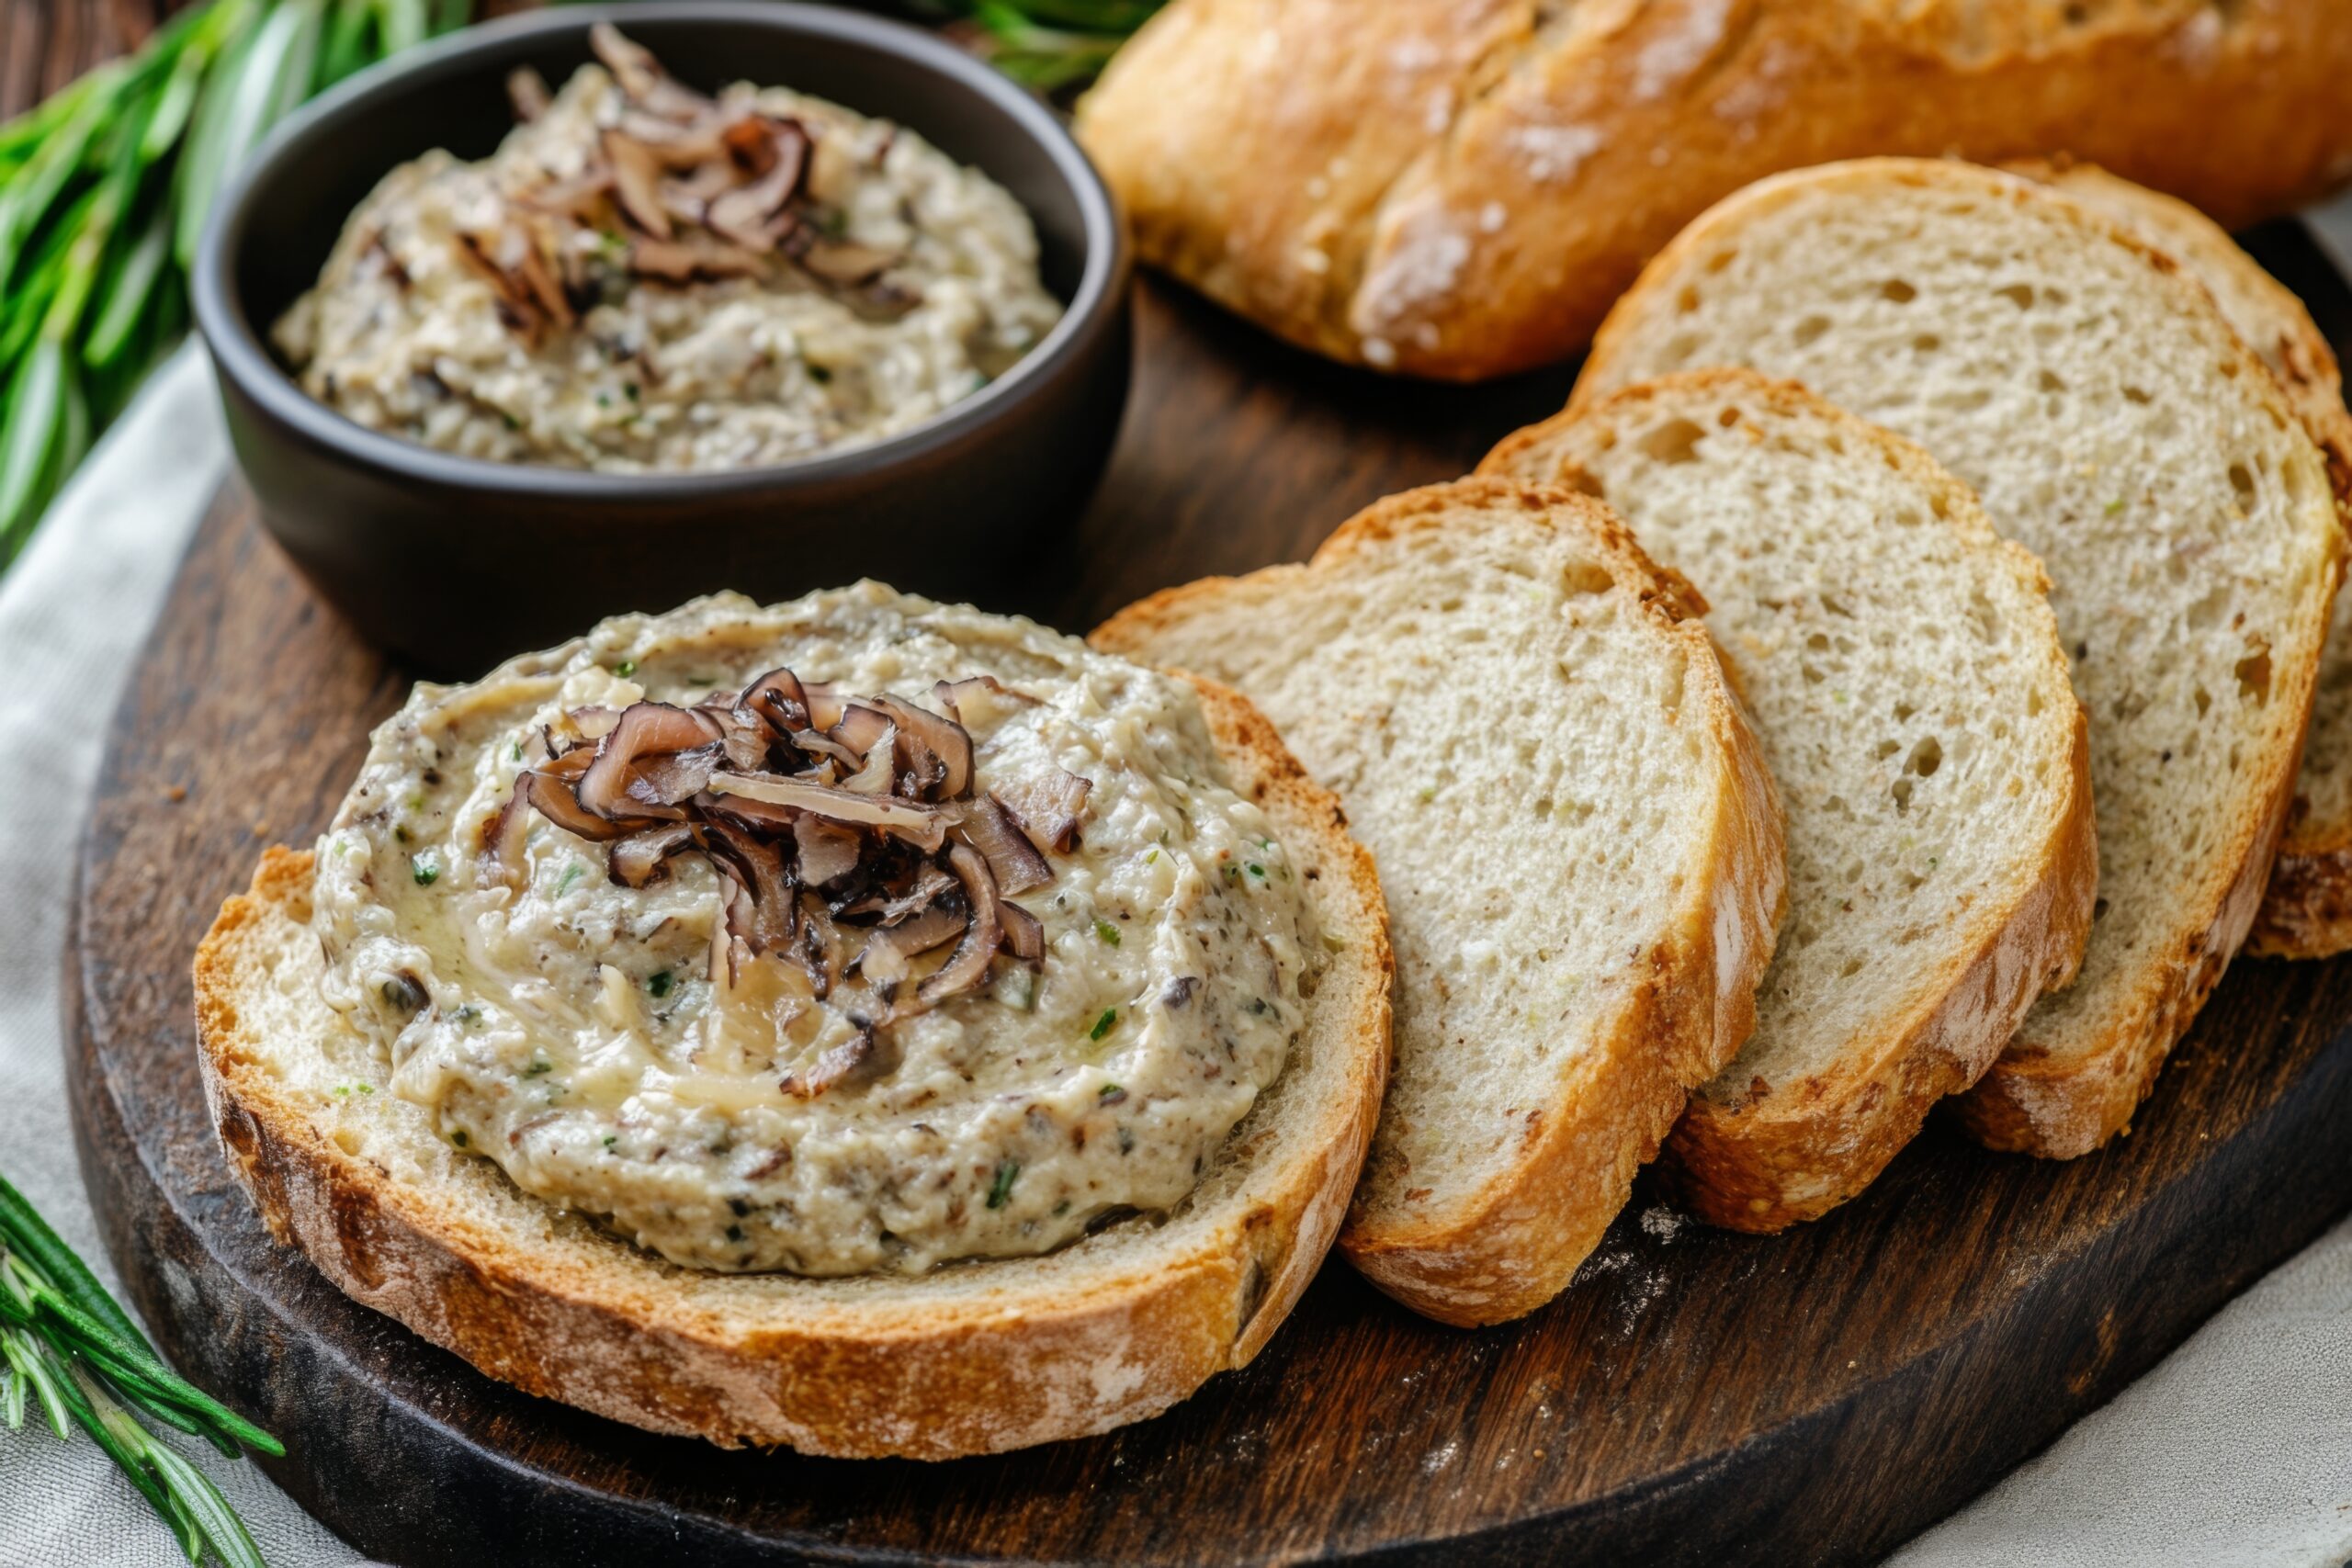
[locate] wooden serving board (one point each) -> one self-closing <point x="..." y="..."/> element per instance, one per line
<point x="1697" y="1397"/>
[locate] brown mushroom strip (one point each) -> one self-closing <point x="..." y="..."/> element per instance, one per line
<point x="636" y="174"/>
<point x="827" y="851"/>
<point x="943" y="738"/>
<point x="952" y="694"/>
<point x="624" y="779"/>
<point x="504" y="835"/>
<point x="1046" y="806"/>
<point x="639" y="858"/>
<point x="526" y="90"/>
<point x="641" y="77"/>
<point x="554" y="799"/>
<point x="922" y="826"/>
<point x="1024" y="934"/>
<point x="774" y="913"/>
<point x="755" y="215"/>
<point x="1015" y="862"/>
<point x="929" y="884"/>
<point x="856" y="1060"/>
<point x="879" y="770"/>
<point x="860" y="728"/>
<point x="968" y="965"/>
<point x="846" y="262"/>
<point x="886" y="958"/>
<point x="779" y="698"/>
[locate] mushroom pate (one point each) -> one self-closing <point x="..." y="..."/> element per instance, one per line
<point x="642" y="278"/>
<point x="856" y="933"/>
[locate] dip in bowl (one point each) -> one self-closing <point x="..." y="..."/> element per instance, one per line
<point x="865" y="376"/>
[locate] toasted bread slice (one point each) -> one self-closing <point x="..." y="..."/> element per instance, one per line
<point x="2307" y="909"/>
<point x="1910" y="693"/>
<point x="1579" y="845"/>
<point x="2113" y="424"/>
<point x="971" y="1357"/>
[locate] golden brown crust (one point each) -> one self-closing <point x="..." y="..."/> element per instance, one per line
<point x="1507" y="1250"/>
<point x="1764" y="1163"/>
<point x="1040" y="1353"/>
<point x="1458" y="189"/>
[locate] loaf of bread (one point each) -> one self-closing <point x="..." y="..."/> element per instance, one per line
<point x="1909" y="691"/>
<point x="1459" y="188"/>
<point x="1580" y="847"/>
<point x="2112" y="423"/>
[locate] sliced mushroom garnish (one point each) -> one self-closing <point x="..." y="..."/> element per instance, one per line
<point x="755" y="215"/>
<point x="928" y="884"/>
<point x="774" y="922"/>
<point x="941" y="740"/>
<point x="637" y="180"/>
<point x="827" y="851"/>
<point x="554" y="798"/>
<point x="968" y="965"/>
<point x="858" y="1059"/>
<point x="922" y="826"/>
<point x="1015" y="862"/>
<point x="686" y="260"/>
<point x="1046" y="805"/>
<point x="951" y="695"/>
<point x="846" y="262"/>
<point x="880" y="770"/>
<point x="641" y="77"/>
<point x="526" y="90"/>
<point x="1024" y="934"/>
<point x="779" y="699"/>
<point x="504" y="835"/>
<point x="888" y="954"/>
<point x="639" y="858"/>
<point x="579" y="197"/>
<point x="638" y="772"/>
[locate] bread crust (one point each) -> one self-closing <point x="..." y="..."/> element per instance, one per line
<point x="1800" y="1149"/>
<point x="1459" y="189"/>
<point x="2028" y="1103"/>
<point x="1511" y="1247"/>
<point x="979" y="1357"/>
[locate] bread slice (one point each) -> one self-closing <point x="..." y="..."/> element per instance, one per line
<point x="971" y="1357"/>
<point x="1579" y="844"/>
<point x="2307" y="909"/>
<point x="2113" y="424"/>
<point x="1910" y="693"/>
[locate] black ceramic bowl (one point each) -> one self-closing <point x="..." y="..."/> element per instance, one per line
<point x="457" y="561"/>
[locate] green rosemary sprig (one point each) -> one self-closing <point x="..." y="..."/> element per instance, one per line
<point x="70" y="1350"/>
<point x="104" y="190"/>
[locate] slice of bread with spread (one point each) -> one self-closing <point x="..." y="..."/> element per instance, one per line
<point x="1908" y="688"/>
<point x="2112" y="423"/>
<point x="1578" y="839"/>
<point x="2307" y="909"/>
<point x="990" y="1353"/>
<point x="1459" y="188"/>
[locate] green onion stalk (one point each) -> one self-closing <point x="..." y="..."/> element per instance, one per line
<point x="69" y="1352"/>
<point x="104" y="190"/>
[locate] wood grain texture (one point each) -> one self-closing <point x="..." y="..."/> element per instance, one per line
<point x="1697" y="1397"/>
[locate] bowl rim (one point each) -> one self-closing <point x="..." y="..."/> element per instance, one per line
<point x="241" y="358"/>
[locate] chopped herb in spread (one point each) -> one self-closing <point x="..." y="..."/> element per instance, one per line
<point x="1105" y="1024"/>
<point x="1107" y="931"/>
<point x="1001" y="1189"/>
<point x="425" y="868"/>
<point x="659" y="983"/>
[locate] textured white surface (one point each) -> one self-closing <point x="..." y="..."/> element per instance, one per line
<point x="2235" y="1452"/>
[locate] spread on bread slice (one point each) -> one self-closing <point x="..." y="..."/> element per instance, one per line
<point x="1907" y="682"/>
<point x="2112" y="423"/>
<point x="860" y="1023"/>
<point x="1579" y="843"/>
<point x="2307" y="909"/>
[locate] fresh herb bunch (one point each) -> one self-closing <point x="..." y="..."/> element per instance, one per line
<point x="66" y="1342"/>
<point x="104" y="189"/>
<point x="1052" y="44"/>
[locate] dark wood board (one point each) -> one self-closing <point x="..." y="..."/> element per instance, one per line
<point x="1697" y="1397"/>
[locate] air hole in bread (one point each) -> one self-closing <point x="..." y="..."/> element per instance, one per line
<point x="1894" y="288"/>
<point x="1676" y="441"/>
<point x="2204" y="706"/>
<point x="1578" y="479"/>
<point x="1688" y="300"/>
<point x="1809" y="331"/>
<point x="2254" y="677"/>
<point x="2017" y="294"/>
<point x="1584" y="577"/>
<point x="2137" y="395"/>
<point x="1888" y="748"/>
<point x="1902" y="793"/>
<point x="1853" y="968"/>
<point x="348" y="1141"/>
<point x="1903" y="711"/>
<point x="1925" y="758"/>
<point x="2206" y="613"/>
<point x="1927" y="342"/>
<point x="1811" y="675"/>
<point x="2099" y="909"/>
<point x="2242" y="482"/>
<point x="1721" y="259"/>
<point x="2050" y="381"/>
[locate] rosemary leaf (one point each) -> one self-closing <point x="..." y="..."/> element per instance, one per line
<point x="29" y="1236"/>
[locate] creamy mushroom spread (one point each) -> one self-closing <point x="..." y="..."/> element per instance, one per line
<point x="642" y="278"/>
<point x="677" y="924"/>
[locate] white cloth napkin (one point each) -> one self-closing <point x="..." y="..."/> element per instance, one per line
<point x="2237" y="1449"/>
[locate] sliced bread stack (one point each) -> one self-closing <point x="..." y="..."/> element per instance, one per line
<point x="1580" y="847"/>
<point x="1907" y="682"/>
<point x="2111" y="421"/>
<point x="2307" y="910"/>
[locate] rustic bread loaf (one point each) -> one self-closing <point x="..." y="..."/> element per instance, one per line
<point x="1579" y="846"/>
<point x="1911" y="696"/>
<point x="2114" y="424"/>
<point x="2307" y="909"/>
<point x="1460" y="187"/>
<point x="973" y="1357"/>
